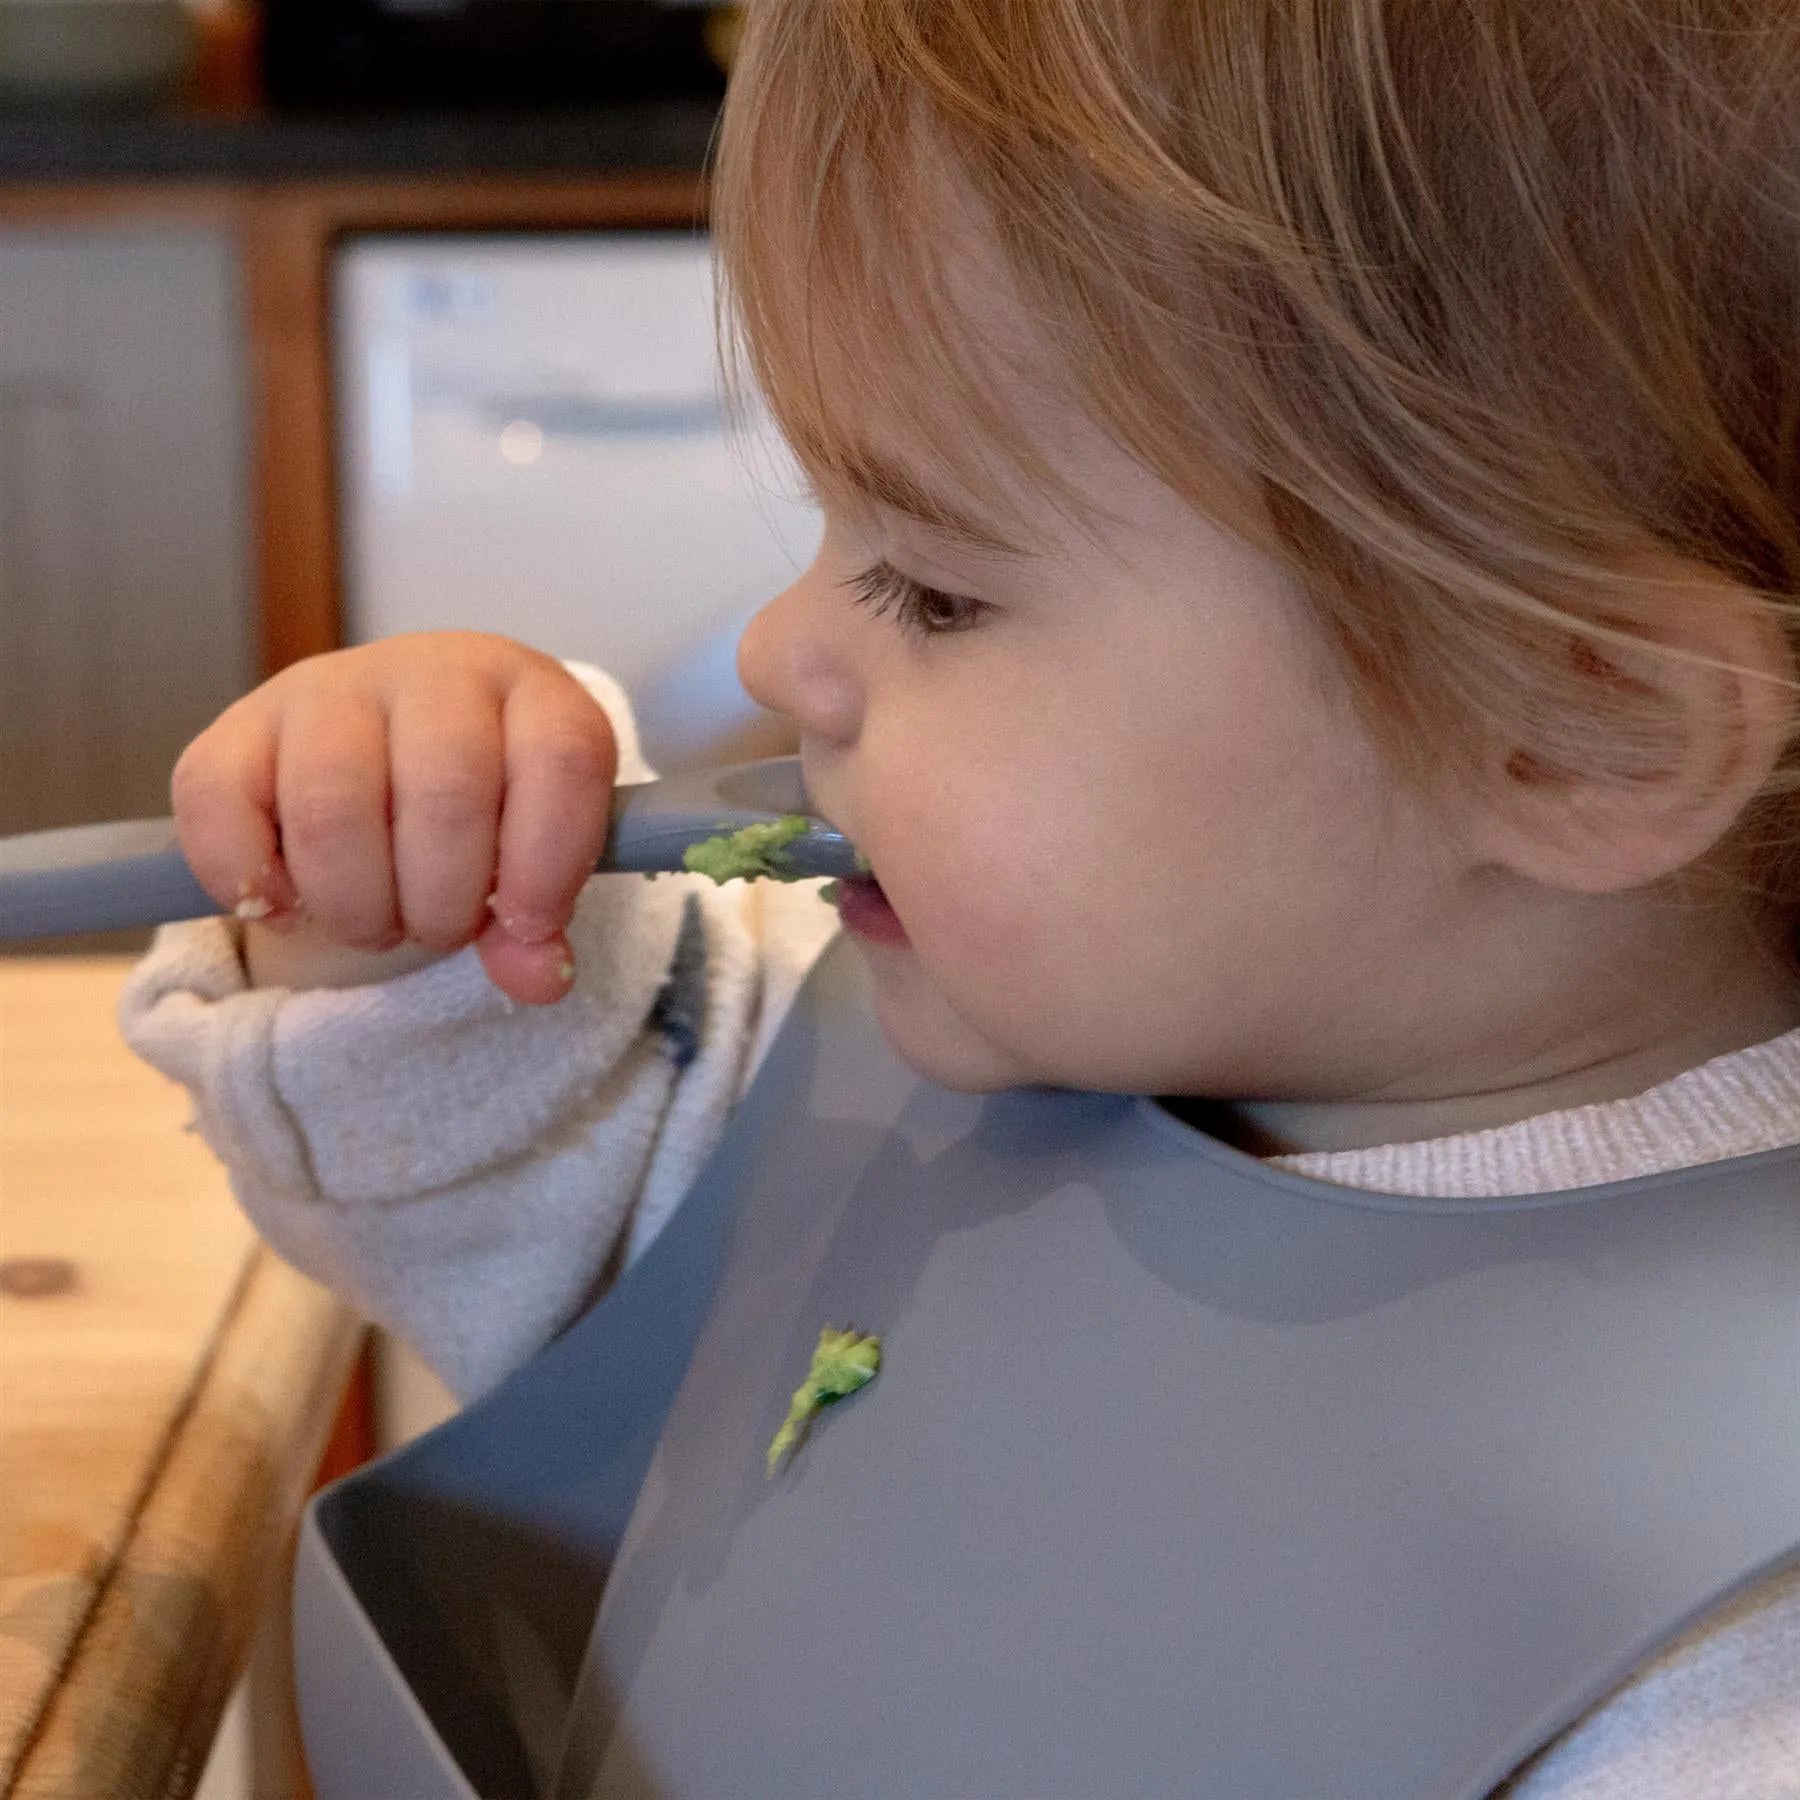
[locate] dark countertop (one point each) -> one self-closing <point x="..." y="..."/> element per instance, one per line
<point x="663" y="135"/>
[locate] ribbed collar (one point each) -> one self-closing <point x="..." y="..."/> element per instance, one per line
<point x="1734" y="1105"/>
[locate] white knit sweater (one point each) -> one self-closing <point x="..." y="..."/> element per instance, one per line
<point x="468" y="1171"/>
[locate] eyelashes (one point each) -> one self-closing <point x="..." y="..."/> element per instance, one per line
<point x="914" y="607"/>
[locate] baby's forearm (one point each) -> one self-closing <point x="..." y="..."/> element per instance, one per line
<point x="306" y="958"/>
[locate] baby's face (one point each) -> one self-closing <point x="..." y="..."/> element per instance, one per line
<point x="1129" y="832"/>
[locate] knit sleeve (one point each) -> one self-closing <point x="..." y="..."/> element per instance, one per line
<point x="465" y="1170"/>
<point x="458" y="1166"/>
<point x="1714" y="1716"/>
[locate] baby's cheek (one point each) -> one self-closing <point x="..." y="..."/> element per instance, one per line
<point x="995" y="892"/>
<point x="983" y="950"/>
<point x="1007" y="934"/>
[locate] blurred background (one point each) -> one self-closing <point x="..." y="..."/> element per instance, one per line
<point x="337" y="318"/>
<point x="322" y="320"/>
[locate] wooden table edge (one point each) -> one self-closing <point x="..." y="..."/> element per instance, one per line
<point x="134" y="1713"/>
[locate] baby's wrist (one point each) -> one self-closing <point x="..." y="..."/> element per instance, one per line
<point x="304" y="957"/>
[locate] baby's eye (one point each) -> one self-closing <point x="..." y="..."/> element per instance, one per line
<point x="927" y="610"/>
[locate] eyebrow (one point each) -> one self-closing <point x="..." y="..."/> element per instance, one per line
<point x="885" y="484"/>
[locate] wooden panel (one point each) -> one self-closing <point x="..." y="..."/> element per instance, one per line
<point x="124" y="544"/>
<point x="285" y="232"/>
<point x="165" y="1387"/>
<point x="53" y="714"/>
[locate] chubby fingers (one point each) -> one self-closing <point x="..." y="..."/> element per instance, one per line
<point x="448" y="773"/>
<point x="560" y="763"/>
<point x="332" y="797"/>
<point x="387" y="792"/>
<point x="223" y="796"/>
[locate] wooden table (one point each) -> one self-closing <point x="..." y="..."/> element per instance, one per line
<point x="166" y="1387"/>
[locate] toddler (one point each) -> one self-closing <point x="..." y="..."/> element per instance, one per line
<point x="1307" y="627"/>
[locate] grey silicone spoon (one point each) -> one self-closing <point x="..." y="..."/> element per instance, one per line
<point x="110" y="877"/>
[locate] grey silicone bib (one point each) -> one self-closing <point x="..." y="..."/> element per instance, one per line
<point x="1182" y="1476"/>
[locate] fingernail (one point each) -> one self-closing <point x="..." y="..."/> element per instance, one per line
<point x="525" y="927"/>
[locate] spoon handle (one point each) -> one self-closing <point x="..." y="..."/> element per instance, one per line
<point x="132" y="873"/>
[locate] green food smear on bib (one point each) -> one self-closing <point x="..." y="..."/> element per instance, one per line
<point x="843" y="1362"/>
<point x="750" y="854"/>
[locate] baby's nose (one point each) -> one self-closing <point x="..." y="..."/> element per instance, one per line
<point x="790" y="661"/>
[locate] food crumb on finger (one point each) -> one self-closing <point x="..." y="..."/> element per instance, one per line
<point x="251" y="904"/>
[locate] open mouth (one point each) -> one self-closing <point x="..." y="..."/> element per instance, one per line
<point x="864" y="909"/>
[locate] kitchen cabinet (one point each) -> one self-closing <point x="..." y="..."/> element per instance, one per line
<point x="125" y="573"/>
<point x="168" y="511"/>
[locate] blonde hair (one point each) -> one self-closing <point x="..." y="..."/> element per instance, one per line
<point x="1493" y="305"/>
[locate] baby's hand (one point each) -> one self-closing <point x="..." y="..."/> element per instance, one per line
<point x="376" y="798"/>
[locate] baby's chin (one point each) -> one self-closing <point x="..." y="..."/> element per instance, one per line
<point x="930" y="1036"/>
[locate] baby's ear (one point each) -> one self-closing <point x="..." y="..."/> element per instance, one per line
<point x="1705" y="708"/>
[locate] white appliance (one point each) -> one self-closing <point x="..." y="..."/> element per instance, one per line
<point x="534" y="441"/>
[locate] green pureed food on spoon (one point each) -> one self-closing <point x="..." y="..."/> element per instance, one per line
<point x="752" y="854"/>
